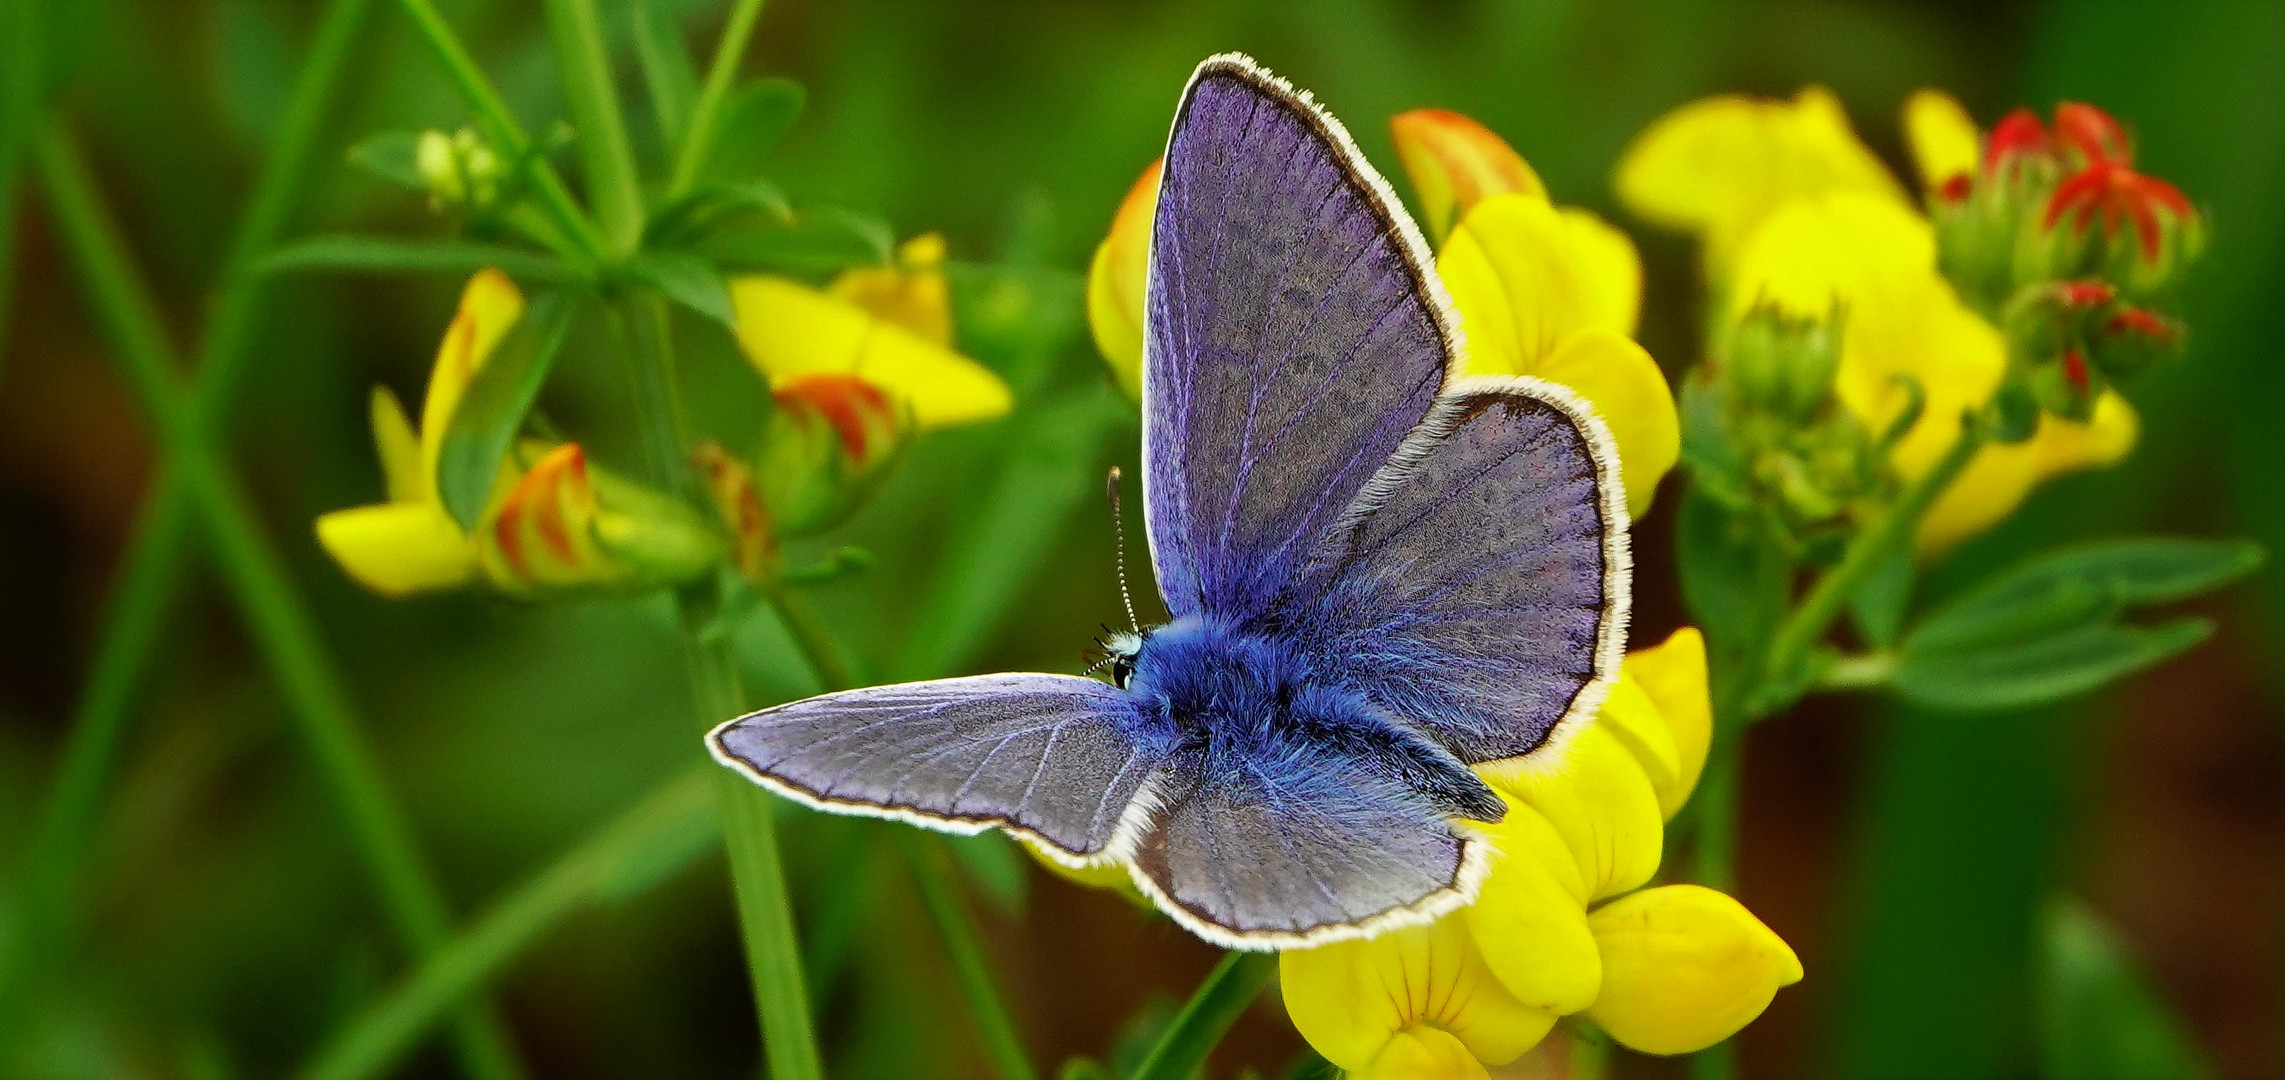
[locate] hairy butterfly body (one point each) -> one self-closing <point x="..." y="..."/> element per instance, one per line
<point x="1379" y="577"/>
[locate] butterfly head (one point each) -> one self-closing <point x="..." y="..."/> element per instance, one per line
<point x="1120" y="649"/>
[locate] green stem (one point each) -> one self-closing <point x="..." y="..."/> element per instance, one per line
<point x="749" y="827"/>
<point x="666" y="70"/>
<point x="932" y="873"/>
<point x="1866" y="554"/>
<point x="698" y="133"/>
<point x="1217" y="1004"/>
<point x="283" y="629"/>
<point x="593" y="100"/>
<point x="677" y="819"/>
<point x="1863" y="671"/>
<point x="809" y="635"/>
<point x="501" y="129"/>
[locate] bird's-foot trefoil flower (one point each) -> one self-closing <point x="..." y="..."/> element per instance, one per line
<point x="1562" y="926"/>
<point x="855" y="369"/>
<point x="552" y="522"/>
<point x="1794" y="223"/>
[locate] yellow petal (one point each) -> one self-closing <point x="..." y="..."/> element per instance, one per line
<point x="1520" y="290"/>
<point x="1628" y="391"/>
<point x="1943" y="140"/>
<point x="1454" y="163"/>
<point x="1115" y="283"/>
<point x="1110" y="876"/>
<point x="1607" y="260"/>
<point x="489" y="308"/>
<point x="912" y="294"/>
<point x="2002" y="476"/>
<point x="1355" y="1000"/>
<point x="1672" y="676"/>
<point x="789" y="330"/>
<point x="1423" y="1054"/>
<point x="1716" y="167"/>
<point x="1873" y="262"/>
<point x="1599" y="801"/>
<point x="1530" y="917"/>
<point x="400" y="450"/>
<point x="397" y="549"/>
<point x="1685" y="967"/>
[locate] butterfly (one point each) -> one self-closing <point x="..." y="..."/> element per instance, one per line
<point x="1380" y="575"/>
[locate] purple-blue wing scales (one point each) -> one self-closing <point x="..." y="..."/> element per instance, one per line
<point x="1294" y="335"/>
<point x="1047" y="755"/>
<point x="1300" y="844"/>
<point x="1479" y="589"/>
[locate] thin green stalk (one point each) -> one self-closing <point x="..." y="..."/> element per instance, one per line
<point x="677" y="818"/>
<point x="1198" y="1028"/>
<point x="932" y="873"/>
<point x="156" y="549"/>
<point x="593" y="100"/>
<point x="283" y="629"/>
<point x="666" y="70"/>
<point x="749" y="827"/>
<point x="698" y="133"/>
<point x="501" y="129"/>
<point x="1866" y="554"/>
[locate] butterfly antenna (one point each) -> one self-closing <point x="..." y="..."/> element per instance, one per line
<point x="1119" y="529"/>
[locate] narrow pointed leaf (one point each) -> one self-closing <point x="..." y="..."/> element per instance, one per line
<point x="2099" y="1016"/>
<point x="390" y="255"/>
<point x="687" y="279"/>
<point x="484" y="425"/>
<point x="754" y="121"/>
<point x="393" y="156"/>
<point x="2042" y="669"/>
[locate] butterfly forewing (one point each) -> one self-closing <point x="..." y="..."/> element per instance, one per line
<point x="1050" y="755"/>
<point x="1293" y="339"/>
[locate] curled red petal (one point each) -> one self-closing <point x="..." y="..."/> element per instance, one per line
<point x="2092" y="132"/>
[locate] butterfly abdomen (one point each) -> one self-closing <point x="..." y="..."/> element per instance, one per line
<point x="1250" y="701"/>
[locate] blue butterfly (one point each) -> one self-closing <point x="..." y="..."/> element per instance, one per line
<point x="1380" y="576"/>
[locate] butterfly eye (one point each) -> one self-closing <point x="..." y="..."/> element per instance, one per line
<point x="1122" y="669"/>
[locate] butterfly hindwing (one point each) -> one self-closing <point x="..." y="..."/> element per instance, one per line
<point x="1479" y="589"/>
<point x="1294" y="337"/>
<point x="1046" y="755"/>
<point x="1297" y="844"/>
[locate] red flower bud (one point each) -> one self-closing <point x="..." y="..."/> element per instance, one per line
<point x="828" y="449"/>
<point x="1956" y="189"/>
<point x="2018" y="135"/>
<point x="2085" y="294"/>
<point x="2075" y="369"/>
<point x="2091" y="133"/>
<point x="859" y="412"/>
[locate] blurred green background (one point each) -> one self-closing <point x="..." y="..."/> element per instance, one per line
<point x="1912" y="859"/>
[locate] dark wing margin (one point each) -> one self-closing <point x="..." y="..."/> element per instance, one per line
<point x="1045" y="756"/>
<point x="1296" y="332"/>
<point x="1299" y="849"/>
<point x="1479" y="589"/>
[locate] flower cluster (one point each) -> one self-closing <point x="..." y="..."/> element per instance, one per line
<point x="855" y="370"/>
<point x="1860" y="330"/>
<point x="1563" y="926"/>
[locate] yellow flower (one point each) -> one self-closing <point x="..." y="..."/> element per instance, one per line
<point x="1717" y="167"/>
<point x="551" y="521"/>
<point x="1793" y="210"/>
<point x="890" y="326"/>
<point x="1483" y="985"/>
<point x="1115" y="283"/>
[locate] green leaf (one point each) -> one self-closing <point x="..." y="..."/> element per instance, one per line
<point x="754" y="121"/>
<point x="1733" y="581"/>
<point x="819" y="240"/>
<point x="1878" y="607"/>
<point x="688" y="279"/>
<point x="2099" y="1016"/>
<point x="2049" y="628"/>
<point x="668" y="75"/>
<point x="393" y="156"/>
<point x="389" y="255"/>
<point x="484" y="425"/>
<point x="2042" y="669"/>
<point x="714" y="206"/>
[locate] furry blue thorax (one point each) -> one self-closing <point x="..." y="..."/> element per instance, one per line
<point x="1243" y="701"/>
